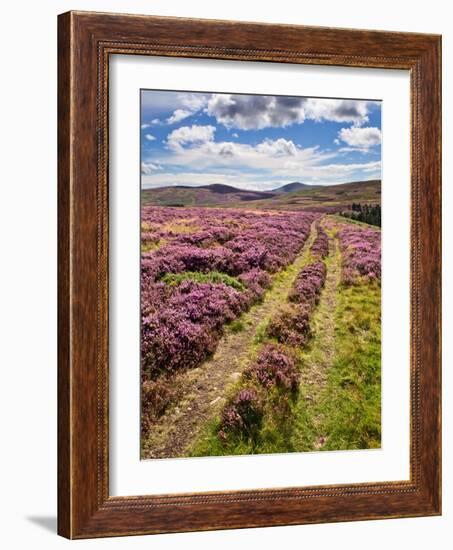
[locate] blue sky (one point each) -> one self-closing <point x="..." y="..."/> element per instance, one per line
<point x="257" y="141"/>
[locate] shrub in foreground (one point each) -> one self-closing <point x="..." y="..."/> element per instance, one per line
<point x="308" y="284"/>
<point x="290" y="325"/>
<point x="274" y="367"/>
<point x="242" y="415"/>
<point x="156" y="396"/>
<point x="320" y="247"/>
<point x="361" y="250"/>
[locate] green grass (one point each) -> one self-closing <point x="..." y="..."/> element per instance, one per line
<point x="344" y="220"/>
<point x="352" y="401"/>
<point x="211" y="277"/>
<point x="238" y="325"/>
<point x="148" y="246"/>
<point x="272" y="436"/>
<point x="210" y="445"/>
<point x="346" y="413"/>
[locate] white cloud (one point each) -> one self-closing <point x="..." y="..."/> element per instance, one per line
<point x="150" y="137"/>
<point x="186" y="135"/>
<point x="337" y="110"/>
<point x="360" y="138"/>
<point x="252" y="111"/>
<point x="177" y="116"/>
<point x="277" y="148"/>
<point x="183" y="106"/>
<point x="338" y="168"/>
<point x="248" y="112"/>
<point x="192" y="157"/>
<point x="145" y="126"/>
<point x="188" y="104"/>
<point x="194" y="146"/>
<point x="353" y="150"/>
<point x="148" y="168"/>
<point x="193" y="102"/>
<point x="194" y="149"/>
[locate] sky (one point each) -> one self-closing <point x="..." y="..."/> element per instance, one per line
<point x="257" y="142"/>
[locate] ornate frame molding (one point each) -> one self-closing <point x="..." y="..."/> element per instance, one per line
<point x="86" y="40"/>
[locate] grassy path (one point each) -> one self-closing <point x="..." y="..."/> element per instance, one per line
<point x="203" y="389"/>
<point x="317" y="359"/>
<point x="339" y="400"/>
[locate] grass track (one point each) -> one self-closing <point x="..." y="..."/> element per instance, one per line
<point x="340" y="408"/>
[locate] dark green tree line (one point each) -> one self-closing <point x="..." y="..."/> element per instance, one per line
<point x="366" y="213"/>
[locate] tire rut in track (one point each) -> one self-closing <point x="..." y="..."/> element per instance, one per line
<point x="322" y="353"/>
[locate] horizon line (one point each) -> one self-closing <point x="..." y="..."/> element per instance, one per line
<point x="204" y="185"/>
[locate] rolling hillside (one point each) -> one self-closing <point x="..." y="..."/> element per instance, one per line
<point x="205" y="195"/>
<point x="332" y="198"/>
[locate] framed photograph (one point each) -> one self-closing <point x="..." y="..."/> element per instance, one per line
<point x="249" y="275"/>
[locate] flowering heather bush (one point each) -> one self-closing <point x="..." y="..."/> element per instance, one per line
<point x="186" y="331"/>
<point x="232" y="241"/>
<point x="153" y="267"/>
<point x="171" y="341"/>
<point x="361" y="250"/>
<point x="320" y="247"/>
<point x="308" y="284"/>
<point x="242" y="415"/>
<point x="290" y="325"/>
<point x="274" y="367"/>
<point x="206" y="267"/>
<point x="256" y="282"/>
<point x="176" y="258"/>
<point x="152" y="296"/>
<point x="149" y="238"/>
<point x="155" y="398"/>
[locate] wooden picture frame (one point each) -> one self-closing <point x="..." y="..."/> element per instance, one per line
<point x="85" y="42"/>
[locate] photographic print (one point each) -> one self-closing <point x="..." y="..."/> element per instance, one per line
<point x="260" y="274"/>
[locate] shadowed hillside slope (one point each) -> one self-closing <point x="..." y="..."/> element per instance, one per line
<point x="330" y="198"/>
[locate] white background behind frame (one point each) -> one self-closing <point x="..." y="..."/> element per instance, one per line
<point x="128" y="474"/>
<point x="28" y="506"/>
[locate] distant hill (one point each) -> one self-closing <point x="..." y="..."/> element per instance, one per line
<point x="216" y="194"/>
<point x="333" y="198"/>
<point x="291" y="187"/>
<point x="220" y="188"/>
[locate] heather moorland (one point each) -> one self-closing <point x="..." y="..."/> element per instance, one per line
<point x="260" y="332"/>
<point x="260" y="273"/>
